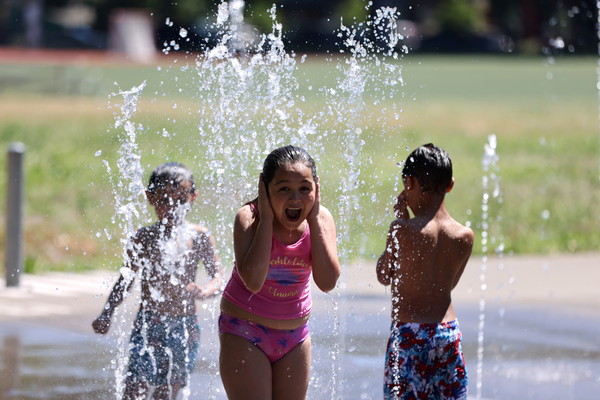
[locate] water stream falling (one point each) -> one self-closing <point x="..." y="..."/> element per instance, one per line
<point x="348" y="104"/>
<point x="130" y="207"/>
<point x="491" y="198"/>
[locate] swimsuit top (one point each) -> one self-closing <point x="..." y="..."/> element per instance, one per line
<point x="286" y="291"/>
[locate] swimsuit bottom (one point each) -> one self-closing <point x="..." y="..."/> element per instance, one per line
<point x="425" y="361"/>
<point x="274" y="343"/>
<point x="163" y="349"/>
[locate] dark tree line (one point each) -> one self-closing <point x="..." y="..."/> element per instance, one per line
<point x="556" y="26"/>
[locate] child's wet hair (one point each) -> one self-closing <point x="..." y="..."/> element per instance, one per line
<point x="170" y="175"/>
<point x="431" y="166"/>
<point x="287" y="155"/>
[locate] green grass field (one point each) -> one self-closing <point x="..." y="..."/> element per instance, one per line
<point x="544" y="113"/>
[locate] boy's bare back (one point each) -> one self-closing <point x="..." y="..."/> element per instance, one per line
<point x="425" y="255"/>
<point x="432" y="255"/>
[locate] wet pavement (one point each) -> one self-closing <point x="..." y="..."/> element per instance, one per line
<point x="539" y="343"/>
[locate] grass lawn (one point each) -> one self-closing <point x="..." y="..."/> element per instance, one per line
<point x="544" y="113"/>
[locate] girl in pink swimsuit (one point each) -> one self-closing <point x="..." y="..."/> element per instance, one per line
<point x="281" y="240"/>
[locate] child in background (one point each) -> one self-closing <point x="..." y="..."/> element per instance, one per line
<point x="423" y="261"/>
<point x="280" y="240"/>
<point x="165" y="337"/>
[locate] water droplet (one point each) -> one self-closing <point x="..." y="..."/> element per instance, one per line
<point x="557" y="43"/>
<point x="183" y="33"/>
<point x="545" y="215"/>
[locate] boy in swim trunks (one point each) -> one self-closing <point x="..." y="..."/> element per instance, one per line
<point x="424" y="258"/>
<point x="165" y="257"/>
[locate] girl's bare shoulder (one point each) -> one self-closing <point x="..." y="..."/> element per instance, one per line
<point x="325" y="211"/>
<point x="245" y="216"/>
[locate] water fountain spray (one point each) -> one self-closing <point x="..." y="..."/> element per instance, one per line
<point x="491" y="194"/>
<point x="248" y="104"/>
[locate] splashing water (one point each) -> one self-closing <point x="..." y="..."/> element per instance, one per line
<point x="128" y="193"/>
<point x="491" y="195"/>
<point x="174" y="248"/>
<point x="129" y="188"/>
<point x="250" y="101"/>
<point x="348" y="103"/>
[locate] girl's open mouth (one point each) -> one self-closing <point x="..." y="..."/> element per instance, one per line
<point x="293" y="214"/>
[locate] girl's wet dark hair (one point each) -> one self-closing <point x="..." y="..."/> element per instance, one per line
<point x="432" y="167"/>
<point x="287" y="155"/>
<point x="172" y="175"/>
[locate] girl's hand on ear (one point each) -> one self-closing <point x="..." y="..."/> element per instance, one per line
<point x="264" y="204"/>
<point x="314" y="212"/>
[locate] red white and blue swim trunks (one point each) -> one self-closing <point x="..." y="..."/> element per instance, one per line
<point x="425" y="361"/>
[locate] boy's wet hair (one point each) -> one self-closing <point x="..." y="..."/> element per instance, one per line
<point x="431" y="166"/>
<point x="287" y="155"/>
<point x="170" y="175"/>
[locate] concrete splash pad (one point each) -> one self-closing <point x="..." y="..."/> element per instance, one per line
<point x="541" y="334"/>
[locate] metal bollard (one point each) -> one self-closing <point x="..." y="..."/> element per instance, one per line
<point x="14" y="214"/>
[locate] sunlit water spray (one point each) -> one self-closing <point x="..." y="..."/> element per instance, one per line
<point x="131" y="213"/>
<point x="130" y="208"/>
<point x="249" y="101"/>
<point x="369" y="66"/>
<point x="490" y="219"/>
